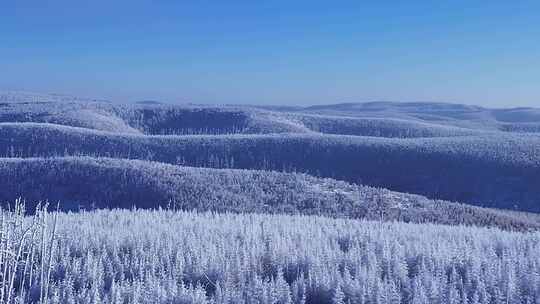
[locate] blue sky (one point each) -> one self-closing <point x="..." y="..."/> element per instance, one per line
<point x="275" y="52"/>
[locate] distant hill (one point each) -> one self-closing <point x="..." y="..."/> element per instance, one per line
<point x="500" y="170"/>
<point x="149" y="102"/>
<point x="468" y="154"/>
<point x="32" y="97"/>
<point x="382" y="119"/>
<point x="145" y="118"/>
<point x="440" y="113"/>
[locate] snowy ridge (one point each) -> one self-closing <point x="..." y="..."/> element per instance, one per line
<point x="120" y="183"/>
<point x="437" y="145"/>
<point x="506" y="167"/>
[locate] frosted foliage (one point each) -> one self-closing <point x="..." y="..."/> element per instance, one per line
<point x="137" y="256"/>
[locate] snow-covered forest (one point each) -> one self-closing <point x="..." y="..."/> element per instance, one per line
<point x="139" y="256"/>
<point x="85" y="183"/>
<point x="369" y="203"/>
<point x="506" y="166"/>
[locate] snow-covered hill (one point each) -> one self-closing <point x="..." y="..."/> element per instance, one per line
<point x="442" y="151"/>
<point x="88" y="183"/>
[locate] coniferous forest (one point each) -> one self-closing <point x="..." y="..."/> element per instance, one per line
<point x="269" y="152"/>
<point x="368" y="203"/>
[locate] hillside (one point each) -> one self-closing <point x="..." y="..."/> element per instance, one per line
<point x="141" y="118"/>
<point x="440" y="151"/>
<point x="86" y="183"/>
<point x="378" y="127"/>
<point x="354" y="203"/>
<point x="500" y="170"/>
<point x="473" y="117"/>
<point x="382" y="119"/>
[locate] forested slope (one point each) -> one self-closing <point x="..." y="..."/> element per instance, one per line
<point x="441" y="151"/>
<point x="150" y="119"/>
<point x="378" y="126"/>
<point x="86" y="183"/>
<point x="501" y="171"/>
<point x="445" y="114"/>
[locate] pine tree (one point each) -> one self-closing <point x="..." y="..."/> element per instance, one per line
<point x="394" y="295"/>
<point x="339" y="296"/>
<point x="453" y="296"/>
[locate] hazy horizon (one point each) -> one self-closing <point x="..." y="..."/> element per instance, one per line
<point x="269" y="105"/>
<point x="278" y="53"/>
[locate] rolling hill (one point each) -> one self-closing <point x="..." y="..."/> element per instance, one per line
<point x="87" y="183"/>
<point x="499" y="170"/>
<point x="168" y="203"/>
<point x="440" y="151"/>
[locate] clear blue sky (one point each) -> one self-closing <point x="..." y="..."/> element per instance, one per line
<point x="275" y="52"/>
